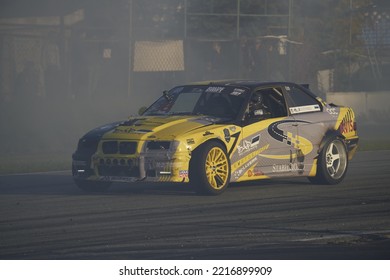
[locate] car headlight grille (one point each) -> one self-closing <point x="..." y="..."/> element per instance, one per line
<point x="127" y="148"/>
<point x="124" y="147"/>
<point x="110" y="147"/>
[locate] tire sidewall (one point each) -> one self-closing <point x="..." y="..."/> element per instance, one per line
<point x="324" y="176"/>
<point x="197" y="174"/>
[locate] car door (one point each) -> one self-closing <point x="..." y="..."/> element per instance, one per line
<point x="264" y="148"/>
<point x="311" y="126"/>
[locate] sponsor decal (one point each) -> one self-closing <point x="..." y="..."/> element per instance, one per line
<point x="232" y="129"/>
<point x="301" y="160"/>
<point x="246" y="162"/>
<point x="256" y="139"/>
<point x="207" y="133"/>
<point x="226" y="133"/>
<point x="282" y="136"/>
<point x="183" y="173"/>
<point x="289" y="139"/>
<point x="215" y="89"/>
<point x="248" y="146"/>
<point x="257" y="171"/>
<point x="332" y="111"/>
<point x="280" y="168"/>
<point x="235" y="137"/>
<point x="237" y="92"/>
<point x="238" y="173"/>
<point x="305" y="109"/>
<point x="347" y="125"/>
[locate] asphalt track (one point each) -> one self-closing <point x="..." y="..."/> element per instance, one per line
<point x="45" y="216"/>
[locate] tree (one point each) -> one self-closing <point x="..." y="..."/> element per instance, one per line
<point x="332" y="34"/>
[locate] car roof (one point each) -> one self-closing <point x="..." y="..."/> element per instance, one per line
<point x="242" y="83"/>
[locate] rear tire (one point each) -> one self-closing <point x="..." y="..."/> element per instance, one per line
<point x="332" y="163"/>
<point x="210" y="169"/>
<point x="92" y="186"/>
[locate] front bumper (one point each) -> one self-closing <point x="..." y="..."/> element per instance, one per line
<point x="149" y="167"/>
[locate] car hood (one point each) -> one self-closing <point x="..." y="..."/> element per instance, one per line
<point x="159" y="127"/>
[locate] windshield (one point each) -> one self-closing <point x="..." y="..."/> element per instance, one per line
<point x="216" y="101"/>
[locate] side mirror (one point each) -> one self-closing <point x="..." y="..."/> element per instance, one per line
<point x="142" y="110"/>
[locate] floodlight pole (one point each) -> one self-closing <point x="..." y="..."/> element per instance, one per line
<point x="238" y="19"/>
<point x="185" y="19"/>
<point x="290" y="21"/>
<point x="130" y="42"/>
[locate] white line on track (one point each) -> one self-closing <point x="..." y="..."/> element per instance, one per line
<point x="346" y="234"/>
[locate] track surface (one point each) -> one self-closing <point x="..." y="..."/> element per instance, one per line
<point x="45" y="216"/>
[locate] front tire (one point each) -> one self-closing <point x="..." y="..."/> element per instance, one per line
<point x="332" y="163"/>
<point x="210" y="169"/>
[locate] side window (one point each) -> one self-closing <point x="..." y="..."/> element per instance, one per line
<point x="300" y="101"/>
<point x="276" y="102"/>
<point x="266" y="103"/>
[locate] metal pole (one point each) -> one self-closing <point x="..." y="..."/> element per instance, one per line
<point x="238" y="40"/>
<point x="185" y="19"/>
<point x="349" y="45"/>
<point x="290" y="18"/>
<point x="238" y="19"/>
<point x="290" y="5"/>
<point x="350" y="22"/>
<point x="130" y="42"/>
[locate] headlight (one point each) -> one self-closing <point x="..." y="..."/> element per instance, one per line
<point x="158" y="145"/>
<point x="161" y="146"/>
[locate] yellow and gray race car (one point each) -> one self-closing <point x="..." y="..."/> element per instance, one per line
<point x="211" y="134"/>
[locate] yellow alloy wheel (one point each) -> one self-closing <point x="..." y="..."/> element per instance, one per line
<point x="217" y="168"/>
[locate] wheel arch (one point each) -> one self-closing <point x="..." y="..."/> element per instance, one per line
<point x="329" y="135"/>
<point x="322" y="175"/>
<point x="218" y="140"/>
<point x="195" y="156"/>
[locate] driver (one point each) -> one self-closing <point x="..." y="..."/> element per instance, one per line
<point x="257" y="108"/>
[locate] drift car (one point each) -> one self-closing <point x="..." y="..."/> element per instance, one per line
<point x="214" y="133"/>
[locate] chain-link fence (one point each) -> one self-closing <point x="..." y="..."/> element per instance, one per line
<point x="112" y="57"/>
